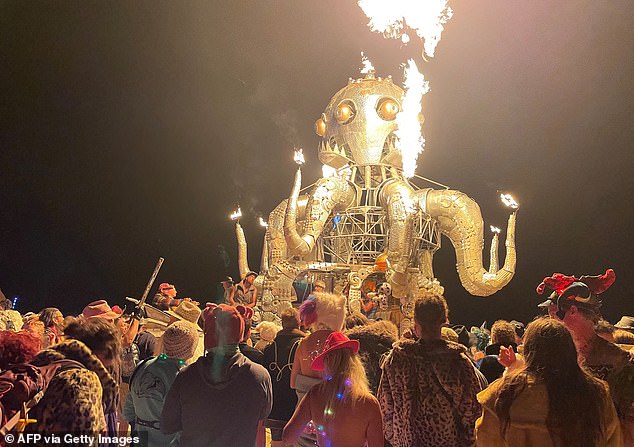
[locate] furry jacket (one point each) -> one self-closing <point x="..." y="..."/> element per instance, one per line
<point x="428" y="395"/>
<point x="76" y="399"/>
<point x="375" y="341"/>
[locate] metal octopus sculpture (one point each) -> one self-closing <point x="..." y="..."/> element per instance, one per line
<point x="367" y="218"/>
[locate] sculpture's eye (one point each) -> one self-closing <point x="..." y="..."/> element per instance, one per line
<point x="321" y="126"/>
<point x="345" y="112"/>
<point x="387" y="108"/>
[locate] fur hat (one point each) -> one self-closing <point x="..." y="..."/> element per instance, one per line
<point x="223" y="325"/>
<point x="180" y="340"/>
<point x="324" y="311"/>
<point x="267" y="330"/>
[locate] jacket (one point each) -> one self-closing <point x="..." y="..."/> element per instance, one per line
<point x="428" y="395"/>
<point x="76" y="399"/>
<point x="528" y="419"/>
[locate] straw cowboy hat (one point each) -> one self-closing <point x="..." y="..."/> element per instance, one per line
<point x="186" y="310"/>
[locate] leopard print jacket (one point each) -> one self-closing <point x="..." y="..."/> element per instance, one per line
<point x="75" y="399"/>
<point x="428" y="395"/>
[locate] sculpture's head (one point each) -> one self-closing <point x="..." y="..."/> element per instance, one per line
<point x="358" y="124"/>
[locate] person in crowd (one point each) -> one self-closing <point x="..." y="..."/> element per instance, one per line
<point x="10" y="319"/>
<point x="446" y="333"/>
<point x="219" y="400"/>
<point x="101" y="310"/>
<point x="375" y="341"/>
<point x="626" y="323"/>
<point x="519" y="332"/>
<point x="253" y="354"/>
<point x="245" y="292"/>
<point x="605" y="330"/>
<point x="532" y="405"/>
<point x="575" y="302"/>
<point x="479" y="338"/>
<point x="342" y="408"/>
<point x="278" y="360"/>
<point x="187" y="310"/>
<point x="165" y="298"/>
<point x="428" y="387"/>
<point x="17" y="347"/>
<point x="319" y="286"/>
<point x="33" y="325"/>
<point x="53" y="320"/>
<point x="322" y="313"/>
<point x="229" y="289"/>
<point x="356" y="319"/>
<point x="267" y="330"/>
<point x="502" y="334"/>
<point x="78" y="397"/>
<point x="153" y="378"/>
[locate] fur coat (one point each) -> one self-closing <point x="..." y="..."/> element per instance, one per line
<point x="75" y="399"/>
<point x="428" y="395"/>
<point x="375" y="341"/>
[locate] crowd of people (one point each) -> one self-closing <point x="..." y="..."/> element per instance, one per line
<point x="320" y="376"/>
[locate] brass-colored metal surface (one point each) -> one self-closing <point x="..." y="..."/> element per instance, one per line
<point x="368" y="211"/>
<point x="461" y="221"/>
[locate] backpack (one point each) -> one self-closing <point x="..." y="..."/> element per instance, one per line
<point x="23" y="385"/>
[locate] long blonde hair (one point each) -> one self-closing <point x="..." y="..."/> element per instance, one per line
<point x="346" y="381"/>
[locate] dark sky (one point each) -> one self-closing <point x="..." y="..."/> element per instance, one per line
<point x="131" y="129"/>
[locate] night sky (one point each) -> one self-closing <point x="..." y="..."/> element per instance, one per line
<point x="130" y="130"/>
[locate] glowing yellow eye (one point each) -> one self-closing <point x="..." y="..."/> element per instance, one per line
<point x="344" y="113"/>
<point x="387" y="109"/>
<point x="320" y="127"/>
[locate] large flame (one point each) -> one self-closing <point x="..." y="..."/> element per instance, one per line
<point x="425" y="17"/>
<point x="410" y="138"/>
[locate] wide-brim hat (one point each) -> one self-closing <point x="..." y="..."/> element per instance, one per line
<point x="251" y="273"/>
<point x="626" y="322"/>
<point x="186" y="310"/>
<point x="101" y="309"/>
<point x="336" y="340"/>
<point x="227" y="279"/>
<point x="166" y="286"/>
<point x="319" y="283"/>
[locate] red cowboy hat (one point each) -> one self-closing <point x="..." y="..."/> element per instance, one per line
<point x="101" y="309"/>
<point x="336" y="340"/>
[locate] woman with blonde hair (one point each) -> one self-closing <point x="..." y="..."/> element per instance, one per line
<point x="550" y="401"/>
<point x="342" y="409"/>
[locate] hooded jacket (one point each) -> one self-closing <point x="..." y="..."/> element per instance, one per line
<point x="76" y="399"/>
<point x="428" y="395"/>
<point x="218" y="401"/>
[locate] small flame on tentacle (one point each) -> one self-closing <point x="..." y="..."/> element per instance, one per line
<point x="298" y="156"/>
<point x="495" y="230"/>
<point x="263" y="222"/>
<point x="509" y="201"/>
<point x="236" y="215"/>
<point x="425" y="17"/>
<point x="410" y="138"/>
